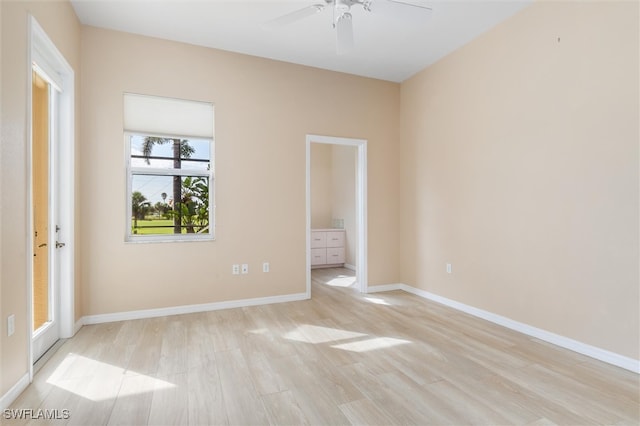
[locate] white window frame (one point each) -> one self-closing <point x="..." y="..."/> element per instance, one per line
<point x="149" y="171"/>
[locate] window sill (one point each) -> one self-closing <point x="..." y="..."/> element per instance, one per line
<point x="168" y="239"/>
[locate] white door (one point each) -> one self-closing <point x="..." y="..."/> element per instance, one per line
<point x="51" y="199"/>
<point x="45" y="211"/>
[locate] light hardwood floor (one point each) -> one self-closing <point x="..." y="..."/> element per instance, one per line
<point x="339" y="358"/>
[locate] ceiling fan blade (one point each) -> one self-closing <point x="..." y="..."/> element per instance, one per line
<point x="344" y="34"/>
<point x="399" y="10"/>
<point x="294" y="16"/>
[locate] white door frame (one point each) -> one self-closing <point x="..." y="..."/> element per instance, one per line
<point x="361" y="206"/>
<point x="52" y="62"/>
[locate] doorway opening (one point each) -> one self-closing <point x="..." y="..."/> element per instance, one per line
<point x="51" y="201"/>
<point x="348" y="224"/>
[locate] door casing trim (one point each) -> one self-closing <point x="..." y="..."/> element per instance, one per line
<point x="43" y="50"/>
<point x="361" y="205"/>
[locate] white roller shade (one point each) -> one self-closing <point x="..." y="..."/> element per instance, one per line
<point x="167" y="116"/>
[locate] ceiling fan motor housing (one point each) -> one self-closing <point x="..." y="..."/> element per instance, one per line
<point x="343" y="6"/>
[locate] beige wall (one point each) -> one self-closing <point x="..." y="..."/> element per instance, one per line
<point x="518" y="164"/>
<point x="264" y="109"/>
<point x="321" y="185"/>
<point x="62" y="26"/>
<point x="343" y="206"/>
<point x="520" y="167"/>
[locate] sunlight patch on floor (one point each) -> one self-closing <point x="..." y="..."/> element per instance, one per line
<point x="316" y="334"/>
<point x="371" y="344"/>
<point x="99" y="381"/>
<point x="377" y="301"/>
<point x="342" y="281"/>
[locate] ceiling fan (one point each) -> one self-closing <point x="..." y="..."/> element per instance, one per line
<point x="342" y="18"/>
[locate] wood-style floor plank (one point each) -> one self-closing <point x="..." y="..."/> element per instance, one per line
<point x="206" y="403"/>
<point x="170" y="401"/>
<point x="283" y="409"/>
<point x="339" y="358"/>
<point x="366" y="412"/>
<point x="241" y="400"/>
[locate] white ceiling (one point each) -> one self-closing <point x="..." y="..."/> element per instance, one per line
<point x="385" y="47"/>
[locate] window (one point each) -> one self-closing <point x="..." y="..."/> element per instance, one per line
<point x="170" y="169"/>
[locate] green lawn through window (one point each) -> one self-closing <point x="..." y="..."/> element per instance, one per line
<point x="149" y="227"/>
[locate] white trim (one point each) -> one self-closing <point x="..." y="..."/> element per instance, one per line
<point x="361" y="205"/>
<point x="44" y="74"/>
<point x="15" y="391"/>
<point x="308" y="218"/>
<point x="45" y="53"/>
<point x="384" y="287"/>
<point x="362" y="255"/>
<point x="78" y="325"/>
<point x="169" y="172"/>
<point x="66" y="198"/>
<point x="547" y="336"/>
<point x="33" y="34"/>
<point x="190" y="309"/>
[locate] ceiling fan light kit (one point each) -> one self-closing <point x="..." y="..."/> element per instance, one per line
<point x="344" y="33"/>
<point x="342" y="20"/>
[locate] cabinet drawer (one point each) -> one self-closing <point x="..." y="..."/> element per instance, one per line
<point x="335" y="255"/>
<point x="335" y="239"/>
<point x="318" y="239"/>
<point x="318" y="256"/>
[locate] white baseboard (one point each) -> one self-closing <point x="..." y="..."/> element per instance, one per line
<point x="78" y="325"/>
<point x="189" y="309"/>
<point x="384" y="287"/>
<point x="8" y="398"/>
<point x="349" y="266"/>
<point x="547" y="336"/>
<point x="13" y="393"/>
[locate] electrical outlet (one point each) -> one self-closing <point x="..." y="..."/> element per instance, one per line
<point x="265" y="267"/>
<point x="245" y="268"/>
<point x="11" y="324"/>
<point x="235" y="269"/>
<point x="448" y="268"/>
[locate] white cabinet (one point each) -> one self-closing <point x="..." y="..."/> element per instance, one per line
<point x="327" y="248"/>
